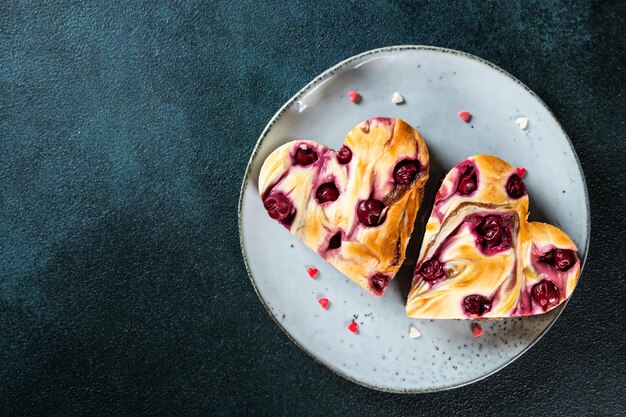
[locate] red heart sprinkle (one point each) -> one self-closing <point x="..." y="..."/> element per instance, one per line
<point x="353" y="327"/>
<point x="323" y="302"/>
<point x="477" y="330"/>
<point x="354" y="96"/>
<point x="465" y="116"/>
<point x="312" y="272"/>
<point x="521" y="171"/>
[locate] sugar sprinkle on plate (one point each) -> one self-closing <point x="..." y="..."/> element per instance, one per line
<point x="477" y="330"/>
<point x="353" y="327"/>
<point x="312" y="271"/>
<point x="465" y="116"/>
<point x="397" y="98"/>
<point x="414" y="333"/>
<point x="355" y="97"/>
<point x="522" y="122"/>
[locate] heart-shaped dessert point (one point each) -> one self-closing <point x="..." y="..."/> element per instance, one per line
<point x="355" y="207"/>
<point x="481" y="258"/>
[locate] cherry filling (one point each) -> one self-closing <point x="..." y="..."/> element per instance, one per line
<point x="278" y="206"/>
<point x="327" y="192"/>
<point x="431" y="270"/>
<point x="564" y="259"/>
<point x="305" y="156"/>
<point x="491" y="231"/>
<point x="546" y="294"/>
<point x="476" y="304"/>
<point x="335" y="241"/>
<point x="515" y="187"/>
<point x="344" y="155"/>
<point x="561" y="259"/>
<point x="370" y="212"/>
<point x="492" y="234"/>
<point x="379" y="283"/>
<point x="405" y="171"/>
<point x="467" y="181"/>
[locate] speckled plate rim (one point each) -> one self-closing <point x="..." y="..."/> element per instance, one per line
<point x="307" y="88"/>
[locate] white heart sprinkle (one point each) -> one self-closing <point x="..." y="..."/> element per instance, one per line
<point x="397" y="98"/>
<point x="522" y="122"/>
<point x="414" y="333"/>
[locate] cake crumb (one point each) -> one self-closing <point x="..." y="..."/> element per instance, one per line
<point x="414" y="333"/>
<point x="522" y="122"/>
<point x="397" y="98"/>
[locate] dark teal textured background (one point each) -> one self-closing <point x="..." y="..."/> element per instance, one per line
<point x="125" y="130"/>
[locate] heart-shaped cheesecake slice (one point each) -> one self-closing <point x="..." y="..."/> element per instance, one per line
<point x="481" y="258"/>
<point x="355" y="207"/>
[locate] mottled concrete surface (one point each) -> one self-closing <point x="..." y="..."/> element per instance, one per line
<point x="124" y="134"/>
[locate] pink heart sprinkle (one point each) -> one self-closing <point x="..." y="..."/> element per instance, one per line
<point x="323" y="302"/>
<point x="353" y="327"/>
<point x="465" y="116"/>
<point x="521" y="172"/>
<point x="354" y="96"/>
<point x="312" y="272"/>
<point x="477" y="330"/>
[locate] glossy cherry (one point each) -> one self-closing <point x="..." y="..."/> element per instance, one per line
<point x="305" y="155"/>
<point x="564" y="259"/>
<point x="370" y="212"/>
<point x="491" y="231"/>
<point x="467" y="181"/>
<point x="406" y="171"/>
<point x="327" y="192"/>
<point x="278" y="206"/>
<point x="431" y="270"/>
<point x="344" y="155"/>
<point x="476" y="304"/>
<point x="515" y="187"/>
<point x="561" y="259"/>
<point x="379" y="283"/>
<point x="546" y="294"/>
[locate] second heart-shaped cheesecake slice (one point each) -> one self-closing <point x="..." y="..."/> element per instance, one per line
<point x="481" y="258"/>
<point x="355" y="207"/>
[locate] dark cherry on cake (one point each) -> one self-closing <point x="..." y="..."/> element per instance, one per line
<point x="431" y="270"/>
<point x="546" y="294"/>
<point x="344" y="155"/>
<point x="279" y="206"/>
<point x="327" y="192"/>
<point x="305" y="155"/>
<point x="467" y="180"/>
<point x="476" y="305"/>
<point x="406" y="171"/>
<point x="370" y="212"/>
<point x="560" y="259"/>
<point x="515" y="187"/>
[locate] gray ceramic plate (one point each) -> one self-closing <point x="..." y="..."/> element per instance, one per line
<point x="436" y="84"/>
